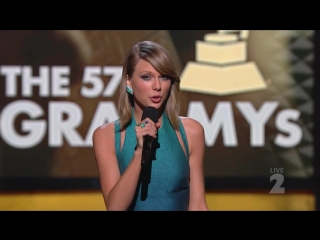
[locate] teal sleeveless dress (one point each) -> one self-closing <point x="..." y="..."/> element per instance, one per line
<point x="164" y="182"/>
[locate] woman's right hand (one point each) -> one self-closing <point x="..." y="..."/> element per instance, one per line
<point x="146" y="127"/>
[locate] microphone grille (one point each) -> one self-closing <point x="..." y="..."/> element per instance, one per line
<point x="150" y="112"/>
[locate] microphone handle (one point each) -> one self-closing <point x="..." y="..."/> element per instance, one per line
<point x="146" y="150"/>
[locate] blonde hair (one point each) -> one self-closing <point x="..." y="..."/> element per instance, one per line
<point x="160" y="58"/>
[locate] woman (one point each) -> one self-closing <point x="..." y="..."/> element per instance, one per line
<point x="172" y="179"/>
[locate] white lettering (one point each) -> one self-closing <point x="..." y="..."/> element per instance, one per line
<point x="59" y="127"/>
<point x="293" y="130"/>
<point x="92" y="78"/>
<point x="58" y="81"/>
<point x="36" y="128"/>
<point x="222" y="118"/>
<point x="28" y="81"/>
<point x="116" y="73"/>
<point x="257" y="120"/>
<point x="11" y="73"/>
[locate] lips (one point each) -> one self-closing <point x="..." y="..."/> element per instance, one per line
<point x="156" y="99"/>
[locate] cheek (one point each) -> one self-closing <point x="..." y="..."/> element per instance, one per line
<point x="141" y="87"/>
<point x="167" y="88"/>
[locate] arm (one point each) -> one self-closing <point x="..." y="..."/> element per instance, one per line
<point x="118" y="191"/>
<point x="196" y="142"/>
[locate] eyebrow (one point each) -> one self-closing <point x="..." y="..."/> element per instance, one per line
<point x="149" y="72"/>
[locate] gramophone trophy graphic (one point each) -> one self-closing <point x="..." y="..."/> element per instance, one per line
<point x="220" y="67"/>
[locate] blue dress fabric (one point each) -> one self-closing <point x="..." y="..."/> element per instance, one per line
<point x="164" y="181"/>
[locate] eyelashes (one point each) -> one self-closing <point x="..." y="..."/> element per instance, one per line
<point x="148" y="77"/>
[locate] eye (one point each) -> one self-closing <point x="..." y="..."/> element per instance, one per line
<point x="145" y="77"/>
<point x="165" y="77"/>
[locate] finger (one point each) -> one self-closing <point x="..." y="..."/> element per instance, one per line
<point x="142" y="125"/>
<point x="147" y="120"/>
<point x="147" y="130"/>
<point x="139" y="135"/>
<point x="148" y="127"/>
<point x="154" y="126"/>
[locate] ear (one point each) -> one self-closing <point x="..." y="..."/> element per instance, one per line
<point x="128" y="81"/>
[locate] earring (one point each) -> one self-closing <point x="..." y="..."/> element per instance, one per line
<point x="129" y="90"/>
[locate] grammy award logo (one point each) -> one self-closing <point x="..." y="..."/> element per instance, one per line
<point x="221" y="67"/>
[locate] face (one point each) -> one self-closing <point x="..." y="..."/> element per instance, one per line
<point x="149" y="87"/>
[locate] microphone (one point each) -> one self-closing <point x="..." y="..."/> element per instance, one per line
<point x="152" y="113"/>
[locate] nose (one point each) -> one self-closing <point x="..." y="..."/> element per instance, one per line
<point x="156" y="85"/>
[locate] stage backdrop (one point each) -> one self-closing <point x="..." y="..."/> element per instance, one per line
<point x="251" y="91"/>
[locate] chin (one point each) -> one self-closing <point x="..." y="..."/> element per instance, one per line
<point x="156" y="105"/>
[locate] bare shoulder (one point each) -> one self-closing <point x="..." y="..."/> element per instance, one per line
<point x="104" y="132"/>
<point x="192" y="126"/>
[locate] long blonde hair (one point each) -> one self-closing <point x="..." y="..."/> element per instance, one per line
<point x="160" y="58"/>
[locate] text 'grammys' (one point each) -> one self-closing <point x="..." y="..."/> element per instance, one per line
<point x="64" y="117"/>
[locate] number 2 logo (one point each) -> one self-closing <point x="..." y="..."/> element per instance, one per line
<point x="277" y="186"/>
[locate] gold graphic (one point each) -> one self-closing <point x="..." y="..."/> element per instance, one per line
<point x="221" y="66"/>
